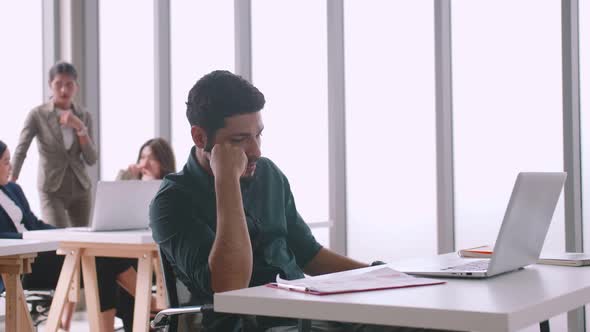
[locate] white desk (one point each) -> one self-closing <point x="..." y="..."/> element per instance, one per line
<point x="80" y="249"/>
<point x="503" y="303"/>
<point x="16" y="257"/>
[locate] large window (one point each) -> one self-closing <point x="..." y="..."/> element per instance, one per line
<point x="585" y="114"/>
<point x="290" y="68"/>
<point x="22" y="82"/>
<point x="584" y="21"/>
<point x="507" y="110"/>
<point x="126" y="82"/>
<point x="202" y="40"/>
<point x="390" y="128"/>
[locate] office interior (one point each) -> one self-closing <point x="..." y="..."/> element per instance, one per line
<point x="400" y="124"/>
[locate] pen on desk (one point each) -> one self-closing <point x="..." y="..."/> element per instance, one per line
<point x="292" y="287"/>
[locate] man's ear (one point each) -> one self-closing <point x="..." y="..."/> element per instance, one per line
<point x="199" y="136"/>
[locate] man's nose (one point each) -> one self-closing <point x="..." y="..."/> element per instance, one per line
<point x="254" y="150"/>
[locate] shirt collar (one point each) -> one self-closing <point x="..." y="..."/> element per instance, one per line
<point x="75" y="108"/>
<point x="196" y="171"/>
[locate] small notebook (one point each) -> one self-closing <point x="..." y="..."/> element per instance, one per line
<point x="353" y="281"/>
<point x="477" y="252"/>
<point x="564" y="258"/>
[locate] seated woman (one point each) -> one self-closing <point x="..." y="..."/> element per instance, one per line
<point x="154" y="161"/>
<point x="16" y="217"/>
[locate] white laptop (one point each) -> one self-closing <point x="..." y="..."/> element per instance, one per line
<point x="522" y="234"/>
<point x="121" y="205"/>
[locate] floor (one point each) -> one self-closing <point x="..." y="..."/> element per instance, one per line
<point x="79" y="321"/>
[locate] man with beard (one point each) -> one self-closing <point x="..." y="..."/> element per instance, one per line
<point x="228" y="220"/>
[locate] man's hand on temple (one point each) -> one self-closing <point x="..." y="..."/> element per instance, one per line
<point x="228" y="160"/>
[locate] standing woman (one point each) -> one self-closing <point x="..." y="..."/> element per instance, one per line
<point x="64" y="138"/>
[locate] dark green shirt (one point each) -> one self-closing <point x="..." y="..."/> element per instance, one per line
<point x="183" y="220"/>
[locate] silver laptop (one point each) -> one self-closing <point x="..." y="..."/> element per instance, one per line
<point x="121" y="205"/>
<point x="522" y="234"/>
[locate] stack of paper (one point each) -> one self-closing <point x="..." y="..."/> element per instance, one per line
<point x="566" y="259"/>
<point x="549" y="258"/>
<point x="353" y="281"/>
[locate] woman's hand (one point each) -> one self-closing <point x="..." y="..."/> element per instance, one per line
<point x="135" y="170"/>
<point x="69" y="119"/>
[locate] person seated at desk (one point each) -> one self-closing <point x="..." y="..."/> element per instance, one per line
<point x="154" y="161"/>
<point x="228" y="220"/>
<point x="16" y="217"/>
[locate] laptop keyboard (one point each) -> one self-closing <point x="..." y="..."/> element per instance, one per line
<point x="479" y="265"/>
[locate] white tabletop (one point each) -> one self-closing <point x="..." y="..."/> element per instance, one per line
<point x="16" y="246"/>
<point x="502" y="303"/>
<point x="143" y="236"/>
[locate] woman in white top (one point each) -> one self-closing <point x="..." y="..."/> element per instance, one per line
<point x="117" y="277"/>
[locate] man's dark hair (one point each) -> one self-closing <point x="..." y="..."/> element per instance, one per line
<point x="218" y="95"/>
<point x="63" y="67"/>
<point x="2" y="148"/>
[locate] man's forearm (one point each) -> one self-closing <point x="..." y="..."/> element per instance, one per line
<point x="326" y="261"/>
<point x="230" y="259"/>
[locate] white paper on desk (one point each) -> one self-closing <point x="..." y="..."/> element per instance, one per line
<point x="350" y="281"/>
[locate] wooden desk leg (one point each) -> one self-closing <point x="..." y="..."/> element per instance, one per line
<point x="71" y="263"/>
<point x="160" y="297"/>
<point x="74" y="291"/>
<point x="143" y="293"/>
<point x="25" y="321"/>
<point x="91" y="292"/>
<point x="12" y="312"/>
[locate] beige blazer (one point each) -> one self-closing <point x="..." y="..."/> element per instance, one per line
<point x="42" y="122"/>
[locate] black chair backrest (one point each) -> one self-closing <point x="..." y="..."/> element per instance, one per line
<point x="180" y="296"/>
<point x="171" y="290"/>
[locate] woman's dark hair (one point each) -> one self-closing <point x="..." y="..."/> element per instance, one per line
<point x="2" y="148"/>
<point x="218" y="95"/>
<point x="163" y="153"/>
<point x="63" y="67"/>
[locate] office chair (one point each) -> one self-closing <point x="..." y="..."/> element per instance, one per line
<point x="40" y="301"/>
<point x="179" y="300"/>
<point x="168" y="318"/>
